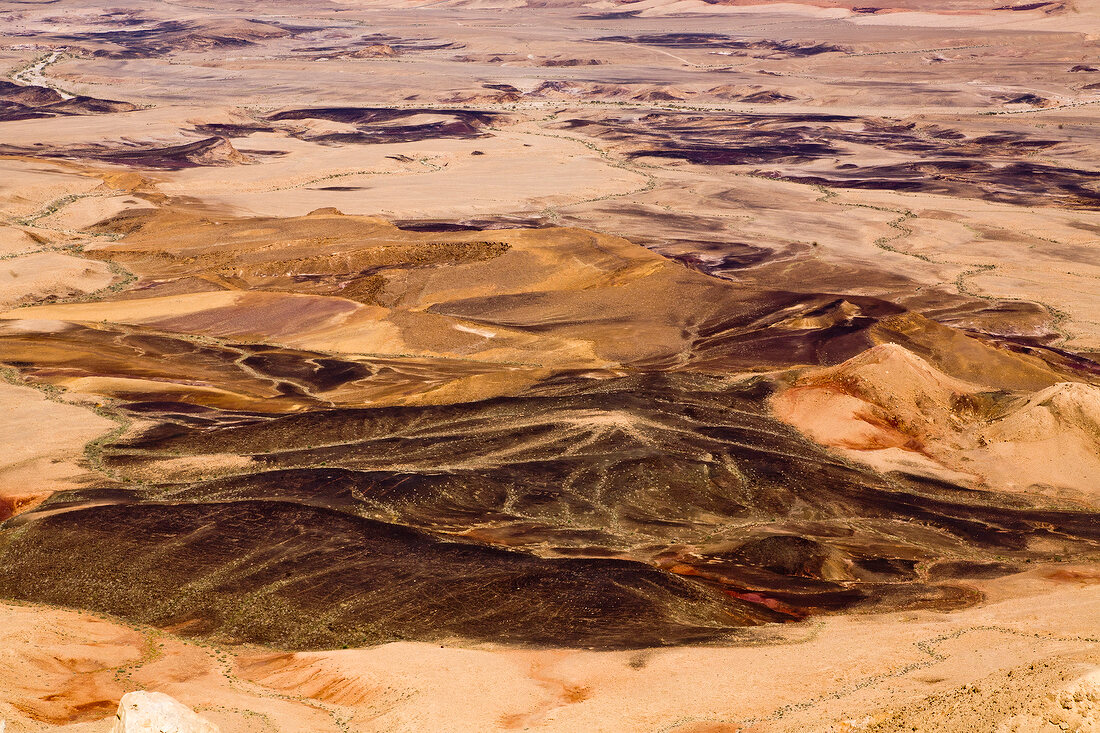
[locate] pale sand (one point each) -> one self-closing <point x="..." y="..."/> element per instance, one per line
<point x="32" y="277"/>
<point x="41" y="446"/>
<point x="445" y="181"/>
<point x="1035" y="638"/>
<point x="1011" y="665"/>
<point x="15" y="241"/>
<point x="27" y="187"/>
<point x="91" y="210"/>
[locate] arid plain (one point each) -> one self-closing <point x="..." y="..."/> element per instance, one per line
<point x="693" y="366"/>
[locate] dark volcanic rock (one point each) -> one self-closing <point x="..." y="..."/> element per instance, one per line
<point x="295" y="576"/>
<point x="382" y="124"/>
<point x="18" y="102"/>
<point x="558" y="516"/>
<point x="211" y="151"/>
<point x="722" y="41"/>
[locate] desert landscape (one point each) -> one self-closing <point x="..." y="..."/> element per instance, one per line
<point x="693" y="366"/>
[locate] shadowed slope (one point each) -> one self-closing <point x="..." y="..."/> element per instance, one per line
<point x="277" y="573"/>
<point x="346" y="433"/>
<point x="360" y="526"/>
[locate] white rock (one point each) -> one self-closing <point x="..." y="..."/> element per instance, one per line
<point x="155" y="712"/>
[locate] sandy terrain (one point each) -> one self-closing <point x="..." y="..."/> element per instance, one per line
<point x="43" y="442"/>
<point x="889" y="407"/>
<point x="1028" y="660"/>
<point x="675" y="365"/>
<point x="44" y="275"/>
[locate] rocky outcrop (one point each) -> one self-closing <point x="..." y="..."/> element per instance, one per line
<point x="1075" y="707"/>
<point x="155" y="712"/>
<point x="374" y="51"/>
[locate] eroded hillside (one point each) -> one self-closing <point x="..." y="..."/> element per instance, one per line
<point x="631" y="363"/>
